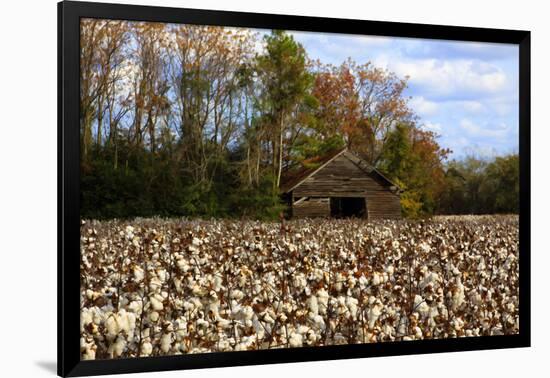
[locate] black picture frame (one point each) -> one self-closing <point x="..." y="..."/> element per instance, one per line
<point x="69" y="14"/>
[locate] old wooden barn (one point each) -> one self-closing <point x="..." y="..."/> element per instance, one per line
<point x="341" y="185"/>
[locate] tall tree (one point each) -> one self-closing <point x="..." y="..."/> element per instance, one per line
<point x="204" y="71"/>
<point x="286" y="84"/>
<point x="362" y="103"/>
<point x="150" y="85"/>
<point x="414" y="160"/>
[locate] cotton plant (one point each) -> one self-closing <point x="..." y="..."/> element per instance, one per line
<point x="154" y="287"/>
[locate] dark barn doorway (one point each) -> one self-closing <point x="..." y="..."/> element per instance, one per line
<point x="345" y="207"/>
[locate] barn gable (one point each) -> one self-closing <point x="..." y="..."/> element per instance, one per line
<point x="343" y="185"/>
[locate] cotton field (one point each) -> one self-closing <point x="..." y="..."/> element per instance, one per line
<point x="164" y="287"/>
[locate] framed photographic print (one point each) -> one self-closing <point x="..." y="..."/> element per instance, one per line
<point x="239" y="188"/>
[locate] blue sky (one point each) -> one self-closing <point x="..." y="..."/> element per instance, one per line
<point x="466" y="92"/>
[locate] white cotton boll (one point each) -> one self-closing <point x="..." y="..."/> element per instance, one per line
<point x="454" y="270"/>
<point x="317" y="274"/>
<point x="319" y="322"/>
<point x="138" y="274"/>
<point x="161" y="274"/>
<point x="509" y="260"/>
<point x="300" y="281"/>
<point x="282" y="317"/>
<point x="340" y="304"/>
<point x="313" y="305"/>
<point x="259" y="328"/>
<point x="417" y="333"/>
<point x="166" y="342"/>
<point x="458" y="296"/>
<point x="339" y="281"/>
<point x="312" y="337"/>
<point x="288" y="307"/>
<point x="376" y="279"/>
<point x="183" y="265"/>
<point x="268" y="319"/>
<point x="223" y="323"/>
<point x="240" y="347"/>
<point x="424" y="247"/>
<point x="322" y="301"/>
<point x="402" y="326"/>
<point x="117" y="348"/>
<point x="351" y="304"/>
<point x="430" y="278"/>
<point x="431" y="317"/>
<point x="352" y="281"/>
<point x="363" y="282"/>
<point x="188" y="306"/>
<point x="373" y="314"/>
<point x="340" y="339"/>
<point x="217" y="283"/>
<point x="89" y="354"/>
<point x="155" y="283"/>
<point x="475" y="298"/>
<point x="198" y="290"/>
<point x="421" y="306"/>
<point x="223" y="346"/>
<point x="481" y="266"/>
<point x="91" y="295"/>
<point x="247" y="312"/>
<point x="196" y="241"/>
<point x="111" y="326"/>
<point x="146" y="348"/>
<point x="156" y="302"/>
<point x="201" y="323"/>
<point x="123" y="321"/>
<point x="295" y="340"/>
<point x="153" y="316"/>
<point x="457" y="324"/>
<point x="129" y="232"/>
<point x="88" y="348"/>
<point x="388" y="330"/>
<point x="236" y="294"/>
<point x="86" y="318"/>
<point x="214" y="308"/>
<point x="135" y="307"/>
<point x="130" y="322"/>
<point x="302" y="329"/>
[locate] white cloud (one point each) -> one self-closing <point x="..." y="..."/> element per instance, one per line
<point x="340" y="40"/>
<point x="501" y="130"/>
<point x="430" y="126"/>
<point x="473" y="106"/>
<point x="422" y="106"/>
<point x="448" y="77"/>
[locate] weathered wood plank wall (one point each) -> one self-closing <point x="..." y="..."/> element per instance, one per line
<point x="343" y="178"/>
<point x="312" y="208"/>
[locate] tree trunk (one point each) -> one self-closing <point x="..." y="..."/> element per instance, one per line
<point x="280" y="157"/>
<point x="86" y="134"/>
<point x="99" y="120"/>
<point x="249" y="169"/>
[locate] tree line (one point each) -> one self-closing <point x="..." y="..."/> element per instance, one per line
<point x="204" y="121"/>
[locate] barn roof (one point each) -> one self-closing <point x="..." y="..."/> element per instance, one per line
<point x="292" y="179"/>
